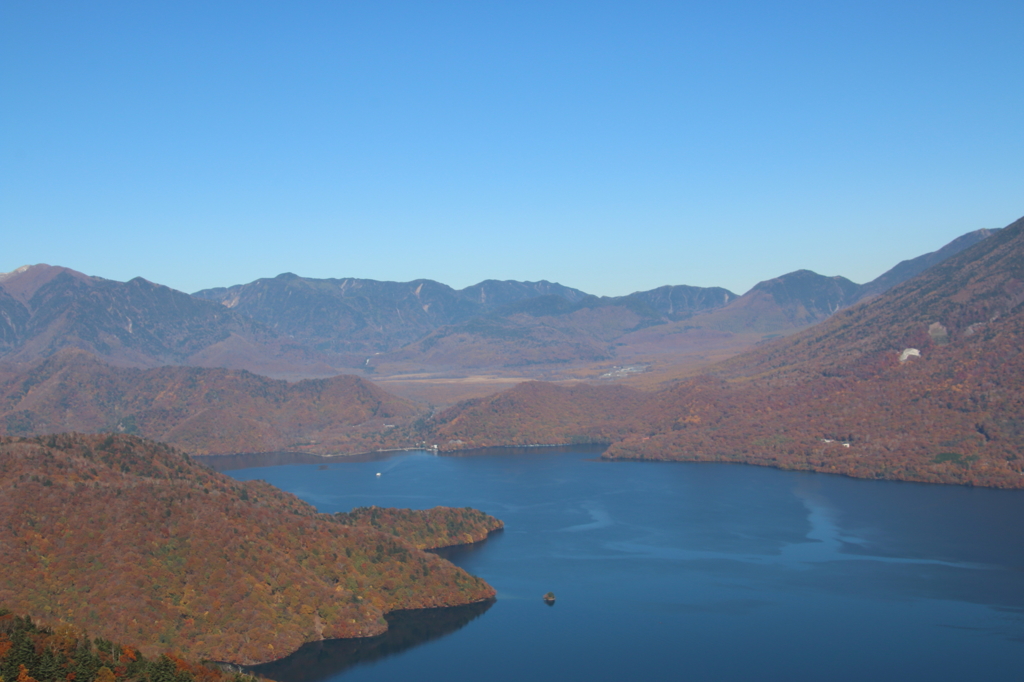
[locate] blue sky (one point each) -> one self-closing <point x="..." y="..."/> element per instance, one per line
<point x="613" y="147"/>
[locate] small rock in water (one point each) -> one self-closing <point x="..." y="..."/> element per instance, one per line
<point x="549" y="598"/>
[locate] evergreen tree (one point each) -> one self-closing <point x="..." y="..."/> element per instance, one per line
<point x="49" y="669"/>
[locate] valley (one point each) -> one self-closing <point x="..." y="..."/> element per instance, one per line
<point x="776" y="376"/>
<point x="105" y="386"/>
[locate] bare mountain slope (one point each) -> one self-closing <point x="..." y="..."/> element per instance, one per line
<point x="359" y="317"/>
<point x="955" y="300"/>
<point x="647" y="326"/>
<point x="295" y="327"/>
<point x="137" y="323"/>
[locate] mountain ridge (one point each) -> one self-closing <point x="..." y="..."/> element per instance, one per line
<point x="906" y="269"/>
<point x="135" y="323"/>
<point x="295" y="327"/>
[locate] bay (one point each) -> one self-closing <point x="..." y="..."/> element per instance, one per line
<point x="673" y="571"/>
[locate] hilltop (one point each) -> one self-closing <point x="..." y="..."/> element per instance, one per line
<point x="44" y="309"/>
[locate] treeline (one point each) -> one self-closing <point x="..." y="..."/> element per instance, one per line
<point x="29" y="653"/>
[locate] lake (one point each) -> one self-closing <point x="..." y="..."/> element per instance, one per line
<point x="685" y="571"/>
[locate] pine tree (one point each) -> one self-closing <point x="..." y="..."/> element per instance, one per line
<point x="49" y="669"/>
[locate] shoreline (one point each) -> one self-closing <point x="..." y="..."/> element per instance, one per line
<point x="280" y="458"/>
<point x="254" y="460"/>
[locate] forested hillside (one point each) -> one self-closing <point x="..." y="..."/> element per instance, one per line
<point x="131" y="541"/>
<point x="205" y="411"/>
<point x="537" y="412"/>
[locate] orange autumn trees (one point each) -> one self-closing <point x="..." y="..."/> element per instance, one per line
<point x="130" y="540"/>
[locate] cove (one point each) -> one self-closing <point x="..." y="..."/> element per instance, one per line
<point x="677" y="571"/>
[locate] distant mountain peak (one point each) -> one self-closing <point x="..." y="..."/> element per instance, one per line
<point x="17" y="271"/>
<point x="22" y="283"/>
<point x="802" y="275"/>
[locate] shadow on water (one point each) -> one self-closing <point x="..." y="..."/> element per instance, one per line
<point x="460" y="554"/>
<point x="406" y="629"/>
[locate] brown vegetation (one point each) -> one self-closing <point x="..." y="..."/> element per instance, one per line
<point x="295" y="327"/>
<point x="205" y="411"/>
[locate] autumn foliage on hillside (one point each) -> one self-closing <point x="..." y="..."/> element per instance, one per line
<point x="426" y="529"/>
<point x="205" y="411"/>
<point x="29" y="653"/>
<point x="131" y="541"/>
<point x="834" y="398"/>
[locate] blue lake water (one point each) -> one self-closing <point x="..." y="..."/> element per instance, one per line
<point x="673" y="571"/>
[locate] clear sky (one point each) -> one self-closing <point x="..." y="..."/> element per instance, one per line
<point x="610" y="146"/>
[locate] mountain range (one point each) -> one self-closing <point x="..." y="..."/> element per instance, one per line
<point x="44" y="309"/>
<point x="295" y="327"/>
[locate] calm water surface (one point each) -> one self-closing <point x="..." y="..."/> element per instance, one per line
<point x="690" y="572"/>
